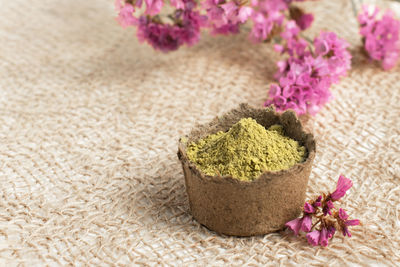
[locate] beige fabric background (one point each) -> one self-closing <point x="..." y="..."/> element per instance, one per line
<point x="89" y="123"/>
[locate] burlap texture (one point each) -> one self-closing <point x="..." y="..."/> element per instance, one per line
<point x="90" y="121"/>
<point x="242" y="208"/>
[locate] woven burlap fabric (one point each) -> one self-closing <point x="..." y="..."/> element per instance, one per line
<point x="89" y="127"/>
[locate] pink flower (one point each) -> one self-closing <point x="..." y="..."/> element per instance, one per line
<point x="305" y="21"/>
<point x="117" y="4"/>
<point x="179" y="4"/>
<point x="163" y="37"/>
<point x="226" y="29"/>
<point x="343" y="185"/>
<point x="261" y="27"/>
<point x="327" y="208"/>
<point x="346" y="231"/>
<point x="313" y="237"/>
<point x="304" y="78"/>
<point x="380" y="37"/>
<point x="298" y="224"/>
<point x="266" y="15"/>
<point x="306" y="223"/>
<point x="125" y="14"/>
<point x="230" y="9"/>
<point x="244" y="13"/>
<point x="343" y="216"/>
<point x="326" y="222"/>
<point x="274" y="90"/>
<point x="153" y="7"/>
<point x="192" y="21"/>
<point x="294" y="225"/>
<point x="299" y="90"/>
<point x="291" y="30"/>
<point x="335" y="51"/>
<point x="308" y="208"/>
<point x="317" y="202"/>
<point x="324" y="236"/>
<point x="331" y="231"/>
<point x="367" y="18"/>
<point x="352" y="222"/>
<point x="166" y="37"/>
<point x="225" y="17"/>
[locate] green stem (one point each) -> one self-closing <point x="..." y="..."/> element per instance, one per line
<point x="354" y="7"/>
<point x="310" y="42"/>
<point x="315" y="224"/>
<point x="306" y="38"/>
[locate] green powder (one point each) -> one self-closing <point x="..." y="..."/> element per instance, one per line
<point x="245" y="151"/>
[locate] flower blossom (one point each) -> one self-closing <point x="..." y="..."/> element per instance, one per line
<point x="225" y="17"/>
<point x="328" y="207"/>
<point x="302" y="20"/>
<point x="125" y="13"/>
<point x="306" y="76"/>
<point x="153" y="7"/>
<point x="334" y="51"/>
<point x="169" y="37"/>
<point x="222" y="16"/>
<point x="380" y="36"/>
<point x="343" y="185"/>
<point x="267" y="16"/>
<point x="304" y="223"/>
<point x="179" y="4"/>
<point x="305" y="21"/>
<point x="344" y="222"/>
<point x="163" y="37"/>
<point x="321" y="237"/>
<point x="313" y="237"/>
<point x="324" y="237"/>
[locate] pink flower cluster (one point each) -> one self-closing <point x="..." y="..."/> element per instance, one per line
<point x="167" y="37"/>
<point x="268" y="17"/>
<point x="304" y="79"/>
<point x="380" y="36"/>
<point x="306" y="76"/>
<point x="225" y="17"/>
<point x="221" y="16"/>
<point x="185" y="27"/>
<point x="327" y="219"/>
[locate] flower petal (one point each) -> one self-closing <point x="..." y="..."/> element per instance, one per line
<point x="352" y="222"/>
<point x="346" y="231"/>
<point x="323" y="238"/>
<point x="331" y="231"/>
<point x="294" y="225"/>
<point x="342" y="214"/>
<point x="343" y="185"/>
<point x="313" y="237"/>
<point x="308" y="208"/>
<point x="306" y="223"/>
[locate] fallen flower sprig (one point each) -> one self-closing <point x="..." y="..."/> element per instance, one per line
<point x="326" y="217"/>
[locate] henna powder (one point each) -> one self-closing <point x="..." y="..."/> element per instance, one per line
<point x="246" y="151"/>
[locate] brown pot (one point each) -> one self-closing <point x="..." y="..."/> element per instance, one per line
<point x="241" y="208"/>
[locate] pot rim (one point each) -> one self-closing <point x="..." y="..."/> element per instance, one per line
<point x="308" y="141"/>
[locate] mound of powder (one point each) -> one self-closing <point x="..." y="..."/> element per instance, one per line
<point x="246" y="151"/>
